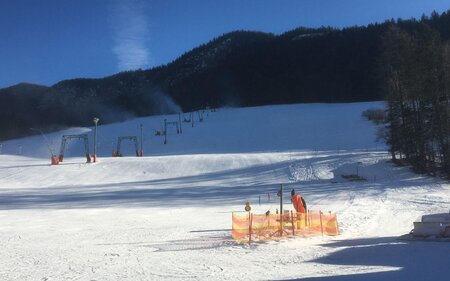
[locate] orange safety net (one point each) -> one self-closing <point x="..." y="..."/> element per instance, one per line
<point x="248" y="227"/>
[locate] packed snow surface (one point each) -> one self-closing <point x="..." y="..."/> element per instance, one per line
<point x="167" y="215"/>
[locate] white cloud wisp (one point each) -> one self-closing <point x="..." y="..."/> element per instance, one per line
<point x="131" y="33"/>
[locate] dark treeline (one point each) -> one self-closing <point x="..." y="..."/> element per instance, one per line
<point x="18" y="109"/>
<point x="415" y="64"/>
<point x="240" y="68"/>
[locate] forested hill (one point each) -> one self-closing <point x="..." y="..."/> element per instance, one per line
<point x="240" y="68"/>
<point x="18" y="109"/>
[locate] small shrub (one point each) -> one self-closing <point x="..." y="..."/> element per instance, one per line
<point x="376" y="115"/>
<point x="353" y="177"/>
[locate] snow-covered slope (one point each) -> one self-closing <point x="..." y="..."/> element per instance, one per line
<point x="167" y="216"/>
<point x="307" y="127"/>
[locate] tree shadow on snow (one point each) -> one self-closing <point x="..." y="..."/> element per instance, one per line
<point x="228" y="187"/>
<point x="221" y="239"/>
<point x="402" y="259"/>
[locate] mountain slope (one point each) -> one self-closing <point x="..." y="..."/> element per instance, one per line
<point x="240" y="68"/>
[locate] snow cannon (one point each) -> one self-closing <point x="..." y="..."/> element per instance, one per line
<point x="55" y="160"/>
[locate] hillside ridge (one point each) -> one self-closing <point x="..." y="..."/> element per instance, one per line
<point x="240" y="68"/>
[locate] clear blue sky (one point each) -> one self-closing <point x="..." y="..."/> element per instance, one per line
<point x="45" y="41"/>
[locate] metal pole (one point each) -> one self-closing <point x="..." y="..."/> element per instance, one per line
<point x="165" y="131"/>
<point x="281" y="198"/>
<point x="141" y="152"/>
<point x="45" y="139"/>
<point x="95" y="138"/>
<point x="281" y="210"/>
<point x="179" y="120"/>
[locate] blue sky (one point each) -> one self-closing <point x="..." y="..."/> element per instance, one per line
<point x="47" y="41"/>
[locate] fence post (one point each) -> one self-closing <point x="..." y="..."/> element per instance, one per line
<point x="321" y="226"/>
<point x="250" y="217"/>
<point x="293" y="225"/>
<point x="337" y="225"/>
<point x="308" y="216"/>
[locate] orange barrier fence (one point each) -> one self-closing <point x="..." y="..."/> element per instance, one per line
<point x="248" y="227"/>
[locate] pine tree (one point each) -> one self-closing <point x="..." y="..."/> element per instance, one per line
<point x="415" y="68"/>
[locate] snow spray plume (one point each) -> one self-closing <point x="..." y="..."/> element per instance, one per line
<point x="109" y="113"/>
<point x="230" y="100"/>
<point x="130" y="30"/>
<point x="227" y="92"/>
<point x="163" y="104"/>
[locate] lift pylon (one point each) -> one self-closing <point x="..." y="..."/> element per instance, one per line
<point x="119" y="143"/>
<point x="66" y="138"/>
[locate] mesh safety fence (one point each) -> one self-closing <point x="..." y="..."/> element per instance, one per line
<point x="248" y="227"/>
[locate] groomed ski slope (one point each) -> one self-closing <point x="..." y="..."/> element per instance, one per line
<point x="167" y="216"/>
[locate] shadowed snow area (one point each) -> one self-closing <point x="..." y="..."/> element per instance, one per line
<point x="167" y="215"/>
